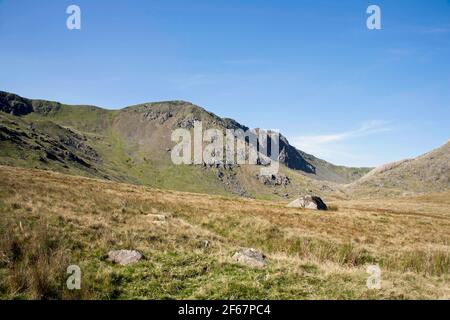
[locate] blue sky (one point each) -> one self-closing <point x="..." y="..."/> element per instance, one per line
<point x="311" y="69"/>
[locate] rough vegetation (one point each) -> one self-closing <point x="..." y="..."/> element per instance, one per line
<point x="49" y="221"/>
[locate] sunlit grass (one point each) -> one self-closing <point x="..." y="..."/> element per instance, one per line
<point x="49" y="221"/>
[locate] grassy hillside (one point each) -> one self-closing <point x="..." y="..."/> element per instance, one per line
<point x="49" y="221"/>
<point x="131" y="145"/>
<point x="427" y="173"/>
<point x="44" y="144"/>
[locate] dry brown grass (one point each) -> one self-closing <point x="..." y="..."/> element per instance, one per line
<point x="50" y="220"/>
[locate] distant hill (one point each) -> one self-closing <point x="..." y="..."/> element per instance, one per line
<point x="427" y="173"/>
<point x="133" y="145"/>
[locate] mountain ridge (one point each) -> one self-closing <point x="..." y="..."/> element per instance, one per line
<point x="133" y="145"/>
<point x="151" y="118"/>
<point x="426" y="173"/>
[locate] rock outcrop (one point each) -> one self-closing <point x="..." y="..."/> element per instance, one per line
<point x="274" y="180"/>
<point x="15" y="105"/>
<point x="124" y="257"/>
<point x="251" y="257"/>
<point x="308" y="202"/>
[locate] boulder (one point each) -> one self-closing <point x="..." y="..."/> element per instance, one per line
<point x="250" y="257"/>
<point x="157" y="217"/>
<point x="308" y="202"/>
<point x="124" y="257"/>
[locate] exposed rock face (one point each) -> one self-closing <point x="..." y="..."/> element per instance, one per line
<point x="274" y="180"/>
<point x="161" y="117"/>
<point x="124" y="257"/>
<point x="187" y="123"/>
<point x="308" y="202"/>
<point x="15" y="105"/>
<point x="251" y="257"/>
<point x="292" y="158"/>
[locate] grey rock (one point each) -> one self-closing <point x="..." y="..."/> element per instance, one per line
<point x="124" y="257"/>
<point x="274" y="180"/>
<point x="308" y="202"/>
<point x="251" y="257"/>
<point x="187" y="122"/>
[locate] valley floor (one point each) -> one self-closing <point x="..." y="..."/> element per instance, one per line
<point x="49" y="221"/>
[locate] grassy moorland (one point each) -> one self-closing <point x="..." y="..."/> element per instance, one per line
<point x="49" y="221"/>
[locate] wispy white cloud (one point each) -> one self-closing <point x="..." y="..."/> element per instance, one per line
<point x="365" y="129"/>
<point x="335" y="147"/>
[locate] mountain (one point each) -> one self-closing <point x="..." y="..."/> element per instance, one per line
<point x="329" y="172"/>
<point x="133" y="145"/>
<point x="427" y="173"/>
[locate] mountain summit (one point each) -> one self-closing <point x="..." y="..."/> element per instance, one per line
<point x="133" y="145"/>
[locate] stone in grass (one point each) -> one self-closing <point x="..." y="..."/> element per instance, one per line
<point x="308" y="202"/>
<point x="158" y="218"/>
<point x="251" y="257"/>
<point x="124" y="257"/>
